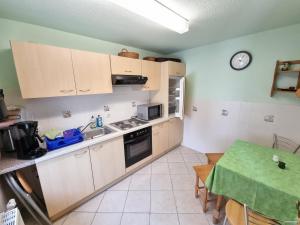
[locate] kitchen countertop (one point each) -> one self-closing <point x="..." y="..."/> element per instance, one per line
<point x="9" y="163"/>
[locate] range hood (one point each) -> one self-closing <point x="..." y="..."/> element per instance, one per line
<point x="128" y="79"/>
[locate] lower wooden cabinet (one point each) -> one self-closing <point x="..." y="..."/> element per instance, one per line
<point x="160" y="138"/>
<point x="108" y="161"/>
<point x="175" y="132"/>
<point x="65" y="180"/>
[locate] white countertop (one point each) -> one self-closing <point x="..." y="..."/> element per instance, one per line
<point x="11" y="164"/>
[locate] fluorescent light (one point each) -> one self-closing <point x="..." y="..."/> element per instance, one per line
<point x="157" y="12"/>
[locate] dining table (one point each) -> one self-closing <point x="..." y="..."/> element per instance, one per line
<point x="248" y="174"/>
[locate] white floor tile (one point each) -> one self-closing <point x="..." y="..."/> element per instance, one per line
<point x="193" y="219"/>
<point x="162" y="159"/>
<point x="161" y="182"/>
<point x="182" y="182"/>
<point x="185" y="150"/>
<point x="140" y="182"/>
<point x="79" y="218"/>
<point x="164" y="219"/>
<point x="113" y="201"/>
<point x="138" y="201"/>
<point x="163" y="202"/>
<point x="57" y="222"/>
<point x="174" y="157"/>
<point x="191" y="157"/>
<point x="144" y="170"/>
<point x="160" y="168"/>
<point x="178" y="168"/>
<point x="203" y="158"/>
<point x="107" y="219"/>
<point x="123" y="185"/>
<point x="189" y="166"/>
<point x="92" y="205"/>
<point x="135" y="219"/>
<point x="186" y="202"/>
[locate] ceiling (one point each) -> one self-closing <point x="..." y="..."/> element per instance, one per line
<point x="210" y="20"/>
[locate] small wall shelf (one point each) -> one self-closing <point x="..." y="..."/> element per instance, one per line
<point x="278" y="72"/>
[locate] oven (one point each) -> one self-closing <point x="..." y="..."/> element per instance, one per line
<point x="137" y="145"/>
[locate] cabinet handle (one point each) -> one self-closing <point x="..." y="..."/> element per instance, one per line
<point x="77" y="155"/>
<point x="84" y="90"/>
<point x="128" y="71"/>
<point x="66" y="91"/>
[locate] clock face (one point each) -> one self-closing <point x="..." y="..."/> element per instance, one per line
<point x="240" y="60"/>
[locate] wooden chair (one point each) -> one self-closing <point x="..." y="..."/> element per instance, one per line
<point x="280" y="142"/>
<point x="202" y="172"/>
<point x="238" y="214"/>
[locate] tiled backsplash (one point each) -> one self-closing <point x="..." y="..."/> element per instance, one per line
<point x="209" y="130"/>
<point x="49" y="111"/>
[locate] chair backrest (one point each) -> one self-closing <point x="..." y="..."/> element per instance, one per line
<point x="280" y="142"/>
<point x="255" y="218"/>
<point x="213" y="158"/>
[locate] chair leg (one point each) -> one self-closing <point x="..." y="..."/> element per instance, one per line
<point x="197" y="187"/>
<point x="205" y="199"/>
<point x="225" y="220"/>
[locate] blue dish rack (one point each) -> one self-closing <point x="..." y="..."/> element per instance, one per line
<point x="70" y="137"/>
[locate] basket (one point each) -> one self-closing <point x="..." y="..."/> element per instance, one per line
<point x="125" y="53"/>
<point x="150" y="58"/>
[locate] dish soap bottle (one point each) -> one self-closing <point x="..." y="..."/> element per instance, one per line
<point x="99" y="122"/>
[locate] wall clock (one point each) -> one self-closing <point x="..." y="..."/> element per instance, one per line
<point x="240" y="60"/>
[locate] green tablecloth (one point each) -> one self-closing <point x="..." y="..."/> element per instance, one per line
<point x="248" y="174"/>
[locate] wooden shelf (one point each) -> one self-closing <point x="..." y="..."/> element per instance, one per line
<point x="278" y="72"/>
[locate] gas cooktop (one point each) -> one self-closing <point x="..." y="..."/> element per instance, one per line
<point x="127" y="124"/>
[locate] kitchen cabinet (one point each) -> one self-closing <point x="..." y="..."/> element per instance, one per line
<point x="175" y="132"/>
<point x="43" y="70"/>
<point x="176" y="69"/>
<point x="152" y="70"/>
<point x="108" y="161"/>
<point x="160" y="138"/>
<point x="125" y="66"/>
<point x="65" y="180"/>
<point x="92" y="72"/>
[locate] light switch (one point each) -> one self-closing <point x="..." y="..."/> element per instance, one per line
<point x="195" y="108"/>
<point x="224" y="112"/>
<point x="269" y="118"/>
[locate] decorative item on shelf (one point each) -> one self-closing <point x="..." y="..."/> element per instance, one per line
<point x="285" y="66"/>
<point x="149" y="58"/>
<point x="125" y="53"/>
<point x="287" y="71"/>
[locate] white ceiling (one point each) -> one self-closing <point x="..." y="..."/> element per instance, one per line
<point x="210" y="20"/>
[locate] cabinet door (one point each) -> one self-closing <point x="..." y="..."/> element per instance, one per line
<point x="92" y="72"/>
<point x="156" y="148"/>
<point x="125" y="66"/>
<point x="176" y="69"/>
<point x="43" y="71"/>
<point x="152" y="70"/>
<point x="160" y="138"/>
<point x="175" y="132"/>
<point x="108" y="161"/>
<point x="65" y="180"/>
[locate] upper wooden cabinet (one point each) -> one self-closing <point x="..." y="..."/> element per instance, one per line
<point x="43" y="71"/>
<point x="92" y="72"/>
<point x="65" y="180"/>
<point x="176" y="69"/>
<point x="125" y="66"/>
<point x="152" y="70"/>
<point x="108" y="161"/>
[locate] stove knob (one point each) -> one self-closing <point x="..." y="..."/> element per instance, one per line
<point x="131" y="136"/>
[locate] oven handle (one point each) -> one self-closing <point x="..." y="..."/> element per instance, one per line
<point x="137" y="140"/>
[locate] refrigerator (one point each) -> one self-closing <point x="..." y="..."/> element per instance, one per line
<point x="176" y="96"/>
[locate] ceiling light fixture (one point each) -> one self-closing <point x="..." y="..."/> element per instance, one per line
<point x="157" y="12"/>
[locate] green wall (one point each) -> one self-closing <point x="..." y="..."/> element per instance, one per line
<point x="211" y="78"/>
<point x="13" y="30"/>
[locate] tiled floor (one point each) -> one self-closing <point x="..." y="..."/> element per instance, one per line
<point x="159" y="194"/>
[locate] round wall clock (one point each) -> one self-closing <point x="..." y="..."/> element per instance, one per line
<point x="240" y="60"/>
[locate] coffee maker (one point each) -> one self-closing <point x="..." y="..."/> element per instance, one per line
<point x="25" y="140"/>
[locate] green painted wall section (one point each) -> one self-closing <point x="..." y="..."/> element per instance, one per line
<point x="13" y="30"/>
<point x="210" y="76"/>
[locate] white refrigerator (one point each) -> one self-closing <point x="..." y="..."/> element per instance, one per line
<point x="176" y="96"/>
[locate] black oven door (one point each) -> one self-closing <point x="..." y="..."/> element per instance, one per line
<point x="154" y="112"/>
<point x="137" y="149"/>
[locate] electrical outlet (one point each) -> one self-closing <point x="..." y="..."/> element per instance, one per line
<point x="269" y="118"/>
<point x="195" y="108"/>
<point x="224" y="112"/>
<point x="133" y="104"/>
<point x="106" y="108"/>
<point x="67" y="114"/>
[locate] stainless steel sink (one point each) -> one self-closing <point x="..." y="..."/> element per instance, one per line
<point x="98" y="132"/>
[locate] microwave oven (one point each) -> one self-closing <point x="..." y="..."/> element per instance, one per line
<point x="149" y="111"/>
